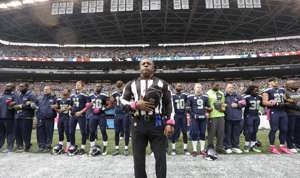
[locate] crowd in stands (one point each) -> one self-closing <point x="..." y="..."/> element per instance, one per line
<point x="138" y="52"/>
<point x="58" y="87"/>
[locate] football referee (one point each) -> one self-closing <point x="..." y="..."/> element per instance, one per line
<point x="150" y="100"/>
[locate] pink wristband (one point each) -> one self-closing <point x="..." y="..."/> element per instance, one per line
<point x="170" y="122"/>
<point x="133" y="105"/>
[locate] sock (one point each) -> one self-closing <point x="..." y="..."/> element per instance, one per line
<point x="117" y="147"/>
<point x="92" y="144"/>
<point x="61" y="143"/>
<point x="185" y="146"/>
<point x="247" y="143"/>
<point x="173" y="146"/>
<point x="104" y="143"/>
<point x="82" y="146"/>
<point x="252" y="143"/>
<point x="282" y="145"/>
<point x="194" y="143"/>
<point x="126" y="147"/>
<point x="68" y="144"/>
<point x="202" y="145"/>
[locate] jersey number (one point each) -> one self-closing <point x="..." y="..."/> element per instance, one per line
<point x="200" y="103"/>
<point x="254" y="105"/>
<point x="180" y="104"/>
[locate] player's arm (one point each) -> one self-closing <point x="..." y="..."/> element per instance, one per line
<point x="32" y="103"/>
<point x="54" y="106"/>
<point x="241" y="102"/>
<point x="88" y="105"/>
<point x="207" y="106"/>
<point x="266" y="102"/>
<point x="224" y="105"/>
<point x="168" y="108"/>
<point x="58" y="106"/>
<point x="167" y="105"/>
<point x="134" y="105"/>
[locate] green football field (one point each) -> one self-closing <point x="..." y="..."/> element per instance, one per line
<point x="262" y="136"/>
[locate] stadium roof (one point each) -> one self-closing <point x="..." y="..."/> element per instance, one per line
<point x="35" y="24"/>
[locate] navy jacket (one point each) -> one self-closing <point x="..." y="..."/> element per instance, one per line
<point x="233" y="113"/>
<point x="7" y="112"/>
<point x="45" y="111"/>
<point x="26" y="101"/>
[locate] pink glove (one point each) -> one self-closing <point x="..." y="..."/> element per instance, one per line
<point x="170" y="122"/>
<point x="133" y="105"/>
<point x="242" y="102"/>
<point x="97" y="110"/>
<point x="273" y="102"/>
<point x="206" y="115"/>
<point x="8" y="101"/>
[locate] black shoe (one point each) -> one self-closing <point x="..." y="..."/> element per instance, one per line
<point x="117" y="152"/>
<point x="126" y="152"/>
<point x="194" y="154"/>
<point x="46" y="150"/>
<point x="27" y="148"/>
<point x="221" y="151"/>
<point x="41" y="150"/>
<point x="81" y="151"/>
<point x="19" y="149"/>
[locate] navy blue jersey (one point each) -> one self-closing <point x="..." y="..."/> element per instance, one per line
<point x="276" y="94"/>
<point x="78" y="101"/>
<point x="6" y="111"/>
<point x="26" y="101"/>
<point x="253" y="103"/>
<point x="118" y="106"/>
<point x="63" y="103"/>
<point x="179" y="102"/>
<point x="99" y="102"/>
<point x="198" y="105"/>
<point x="45" y="111"/>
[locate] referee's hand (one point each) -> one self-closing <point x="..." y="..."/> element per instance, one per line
<point x="144" y="105"/>
<point x="169" y="130"/>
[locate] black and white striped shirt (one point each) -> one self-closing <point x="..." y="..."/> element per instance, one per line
<point x="137" y="88"/>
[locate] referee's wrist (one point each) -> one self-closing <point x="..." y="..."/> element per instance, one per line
<point x="133" y="105"/>
<point x="170" y="122"/>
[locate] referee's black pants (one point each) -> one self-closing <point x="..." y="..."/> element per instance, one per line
<point x="142" y="132"/>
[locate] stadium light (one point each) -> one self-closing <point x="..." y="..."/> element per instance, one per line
<point x="14" y="4"/>
<point x="41" y="0"/>
<point x="3" y="6"/>
<point x="28" y="1"/>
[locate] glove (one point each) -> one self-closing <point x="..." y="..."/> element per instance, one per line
<point x="18" y="107"/>
<point x="8" y="101"/>
<point x="170" y="122"/>
<point x="28" y="103"/>
<point x="206" y="115"/>
<point x="242" y="102"/>
<point x="97" y="110"/>
<point x="33" y="106"/>
<point x="273" y="102"/>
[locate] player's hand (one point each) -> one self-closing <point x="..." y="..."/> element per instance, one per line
<point x="169" y="130"/>
<point x="54" y="106"/>
<point x="78" y="114"/>
<point x="234" y="105"/>
<point x="144" y="105"/>
<point x="223" y="107"/>
<point x="17" y="107"/>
